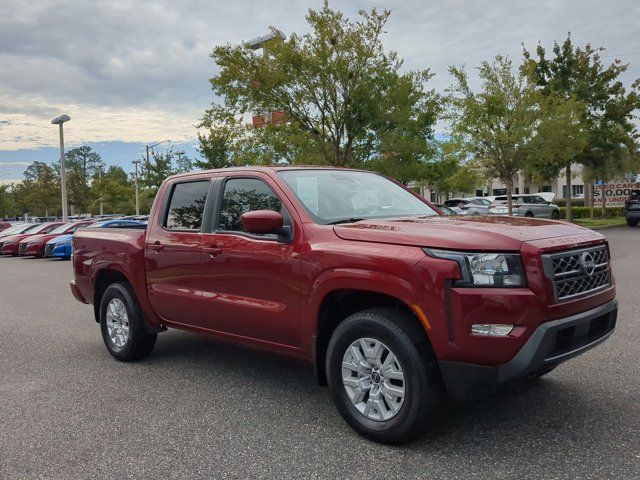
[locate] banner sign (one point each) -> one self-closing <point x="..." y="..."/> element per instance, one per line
<point x="615" y="193"/>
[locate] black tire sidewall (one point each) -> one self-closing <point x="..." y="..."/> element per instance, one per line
<point x="401" y="426"/>
<point x="136" y="327"/>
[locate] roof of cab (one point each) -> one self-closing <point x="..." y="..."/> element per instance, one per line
<point x="264" y="169"/>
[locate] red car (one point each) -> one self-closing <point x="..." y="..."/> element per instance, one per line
<point x="9" y="245"/>
<point x="33" y="245"/>
<point x="359" y="276"/>
<point x="4" y="226"/>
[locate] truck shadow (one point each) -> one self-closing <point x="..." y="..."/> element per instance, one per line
<point x="534" y="415"/>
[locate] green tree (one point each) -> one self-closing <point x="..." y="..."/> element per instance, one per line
<point x="560" y="137"/>
<point x="118" y="191"/>
<point x="160" y="166"/>
<point x="499" y="122"/>
<point x="39" y="193"/>
<point x="451" y="170"/>
<point x="346" y="100"/>
<point x="609" y="109"/>
<point x="81" y="164"/>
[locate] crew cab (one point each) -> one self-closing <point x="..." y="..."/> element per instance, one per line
<point x="353" y="272"/>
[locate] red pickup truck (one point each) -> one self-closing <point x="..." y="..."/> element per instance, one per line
<point x="349" y="270"/>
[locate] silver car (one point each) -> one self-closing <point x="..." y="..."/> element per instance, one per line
<point x="529" y="205"/>
<point x="470" y="205"/>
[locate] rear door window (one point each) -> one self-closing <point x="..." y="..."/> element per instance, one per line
<point x="186" y="206"/>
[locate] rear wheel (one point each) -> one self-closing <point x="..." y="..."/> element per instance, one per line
<point x="528" y="214"/>
<point x="555" y="215"/>
<point x="632" y="222"/>
<point x="383" y="375"/>
<point x="121" y="324"/>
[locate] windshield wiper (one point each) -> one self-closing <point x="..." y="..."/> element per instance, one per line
<point x="345" y="220"/>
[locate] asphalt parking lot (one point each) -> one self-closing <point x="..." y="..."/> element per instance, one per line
<point x="199" y="409"/>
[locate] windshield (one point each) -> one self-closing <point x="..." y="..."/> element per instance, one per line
<point x="98" y="224"/>
<point x="12" y="230"/>
<point x="24" y="228"/>
<point x="62" y="228"/>
<point x="41" y="227"/>
<point x="334" y="196"/>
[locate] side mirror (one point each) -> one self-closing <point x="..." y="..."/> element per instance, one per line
<point x="263" y="221"/>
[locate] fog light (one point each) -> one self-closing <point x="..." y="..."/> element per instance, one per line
<point x="492" y="330"/>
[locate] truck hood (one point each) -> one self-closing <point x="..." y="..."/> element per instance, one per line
<point x="479" y="233"/>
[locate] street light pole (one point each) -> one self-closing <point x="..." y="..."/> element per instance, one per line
<point x="100" y="167"/>
<point x="136" y="162"/>
<point x="63" y="173"/>
<point x="150" y="147"/>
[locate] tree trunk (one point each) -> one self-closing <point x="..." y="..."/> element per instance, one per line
<point x="604" y="200"/>
<point x="509" y="185"/>
<point x="569" y="216"/>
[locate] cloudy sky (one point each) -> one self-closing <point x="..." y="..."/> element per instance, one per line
<point x="135" y="72"/>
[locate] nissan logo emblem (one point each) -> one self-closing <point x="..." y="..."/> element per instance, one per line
<point x="588" y="263"/>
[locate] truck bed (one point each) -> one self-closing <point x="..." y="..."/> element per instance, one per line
<point x="118" y="251"/>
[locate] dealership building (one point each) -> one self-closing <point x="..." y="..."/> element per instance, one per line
<point x="616" y="192"/>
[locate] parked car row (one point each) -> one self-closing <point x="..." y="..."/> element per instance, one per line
<point x="52" y="239"/>
<point x="525" y="205"/>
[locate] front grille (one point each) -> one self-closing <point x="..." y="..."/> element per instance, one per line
<point x="22" y="248"/>
<point x="48" y="249"/>
<point x="577" y="273"/>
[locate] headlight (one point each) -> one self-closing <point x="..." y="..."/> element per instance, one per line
<point x="485" y="269"/>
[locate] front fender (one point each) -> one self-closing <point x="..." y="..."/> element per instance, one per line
<point x="349" y="279"/>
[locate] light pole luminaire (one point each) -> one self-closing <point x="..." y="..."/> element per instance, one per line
<point x="63" y="172"/>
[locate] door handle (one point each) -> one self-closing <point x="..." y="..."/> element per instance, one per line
<point x="156" y="246"/>
<point x="212" y="250"/>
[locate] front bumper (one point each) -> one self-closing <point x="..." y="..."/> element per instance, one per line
<point x="550" y="344"/>
<point x="633" y="213"/>
<point x="9" y="249"/>
<point x="60" y="251"/>
<point x="75" y="291"/>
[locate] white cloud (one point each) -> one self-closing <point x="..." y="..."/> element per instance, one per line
<point x="138" y="71"/>
<point x="14" y="164"/>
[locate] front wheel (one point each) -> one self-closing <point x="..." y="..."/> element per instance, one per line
<point x="555" y="215"/>
<point x="632" y="222"/>
<point x="529" y="214"/>
<point x="383" y="375"/>
<point x="121" y="324"/>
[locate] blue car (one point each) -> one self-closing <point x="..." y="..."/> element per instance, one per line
<point x="60" y="247"/>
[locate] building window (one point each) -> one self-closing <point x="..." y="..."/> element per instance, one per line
<point x="479" y="193"/>
<point x="499" y="191"/>
<point x="545" y="188"/>
<point x="577" y="190"/>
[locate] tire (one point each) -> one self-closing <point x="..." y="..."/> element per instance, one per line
<point x="632" y="222"/>
<point x="402" y="336"/>
<point x="137" y="343"/>
<point x="529" y="214"/>
<point x="555" y="215"/>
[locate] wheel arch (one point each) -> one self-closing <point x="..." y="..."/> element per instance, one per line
<point x="103" y="278"/>
<point x="339" y="303"/>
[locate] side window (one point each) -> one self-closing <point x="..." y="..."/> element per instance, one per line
<point x="243" y="195"/>
<point x="186" y="206"/>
